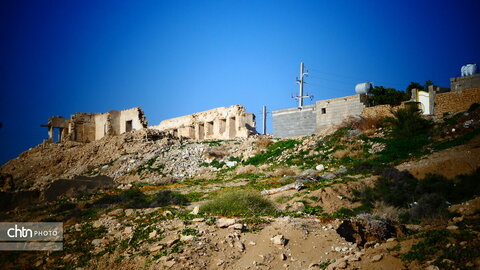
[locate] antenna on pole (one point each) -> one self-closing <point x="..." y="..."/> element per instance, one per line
<point x="264" y="120"/>
<point x="300" y="81"/>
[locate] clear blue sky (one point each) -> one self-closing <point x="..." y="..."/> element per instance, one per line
<point x="174" y="58"/>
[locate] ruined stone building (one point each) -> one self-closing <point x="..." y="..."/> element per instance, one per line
<point x="219" y="123"/>
<point x="87" y="127"/>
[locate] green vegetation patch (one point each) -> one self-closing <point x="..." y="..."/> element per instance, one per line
<point x="239" y="203"/>
<point x="274" y="150"/>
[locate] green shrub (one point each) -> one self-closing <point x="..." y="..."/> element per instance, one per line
<point x="239" y="203"/>
<point x="381" y="95"/>
<point x="408" y="122"/>
<point x="273" y="150"/>
<point x="168" y="197"/>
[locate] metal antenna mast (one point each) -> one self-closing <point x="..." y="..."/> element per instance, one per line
<point x="300" y="82"/>
<point x="264" y="120"/>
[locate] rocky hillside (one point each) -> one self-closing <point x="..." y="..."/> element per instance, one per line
<point x="398" y="193"/>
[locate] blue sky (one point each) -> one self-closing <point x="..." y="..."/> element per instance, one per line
<point x="174" y="58"/>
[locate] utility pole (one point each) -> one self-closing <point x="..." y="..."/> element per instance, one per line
<point x="264" y="120"/>
<point x="300" y="82"/>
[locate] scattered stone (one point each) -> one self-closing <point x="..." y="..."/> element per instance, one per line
<point x="198" y="220"/>
<point x="153" y="234"/>
<point x="167" y="213"/>
<point x="236" y="226"/>
<point x="128" y="230"/>
<point x="239" y="245"/>
<point x="220" y="262"/>
<point x="452" y="228"/>
<point x="413" y="227"/>
<point x="328" y="176"/>
<point x="392" y="239"/>
<point x="320" y="167"/>
<point x="377" y="258"/>
<point x="155" y="248"/>
<point x="251" y="243"/>
<point x="129" y="212"/>
<point x="225" y="222"/>
<point x="339" y="264"/>
<point x="116" y="212"/>
<point x="432" y="267"/>
<point x="97" y="224"/>
<point x="295" y="185"/>
<point x="169" y="263"/>
<point x="196" y="209"/>
<point x="231" y="163"/>
<point x="457" y="219"/>
<point x="186" y="238"/>
<point x="283" y="257"/>
<point x="98" y="242"/>
<point x="279" y="240"/>
<point x="341" y="170"/>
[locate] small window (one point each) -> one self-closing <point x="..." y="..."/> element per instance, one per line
<point x="128" y="126"/>
<point x="324" y="110"/>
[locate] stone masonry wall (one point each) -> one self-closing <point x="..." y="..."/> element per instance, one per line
<point x="294" y="122"/>
<point x="456" y="101"/>
<point x="466" y="82"/>
<point x="377" y="112"/>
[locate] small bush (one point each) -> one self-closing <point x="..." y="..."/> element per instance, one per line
<point x="239" y="203"/>
<point x="427" y="206"/>
<point x="168" y="197"/>
<point x="264" y="142"/>
<point x="408" y="122"/>
<point x="282" y="171"/>
<point x="249" y="169"/>
<point x="385" y="211"/>
<point x="473" y="107"/>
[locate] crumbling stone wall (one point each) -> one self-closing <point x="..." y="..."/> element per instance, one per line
<point x="87" y="127"/>
<point x="218" y="123"/>
<point x="456" y="101"/>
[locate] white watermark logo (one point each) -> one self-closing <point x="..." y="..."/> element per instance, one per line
<point x="31" y="236"/>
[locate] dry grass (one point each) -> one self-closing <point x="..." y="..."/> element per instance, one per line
<point x="280" y="172"/>
<point x="367" y="125"/>
<point x="354" y="150"/>
<point x="386" y="211"/>
<point x="263" y="142"/>
<point x="248" y="169"/>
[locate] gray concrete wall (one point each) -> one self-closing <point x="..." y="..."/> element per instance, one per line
<point x="293" y="122"/>
<point x="332" y="112"/>
<point x="463" y="83"/>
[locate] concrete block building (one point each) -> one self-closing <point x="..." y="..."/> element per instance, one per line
<point x="310" y="119"/>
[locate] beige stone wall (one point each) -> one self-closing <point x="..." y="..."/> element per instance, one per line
<point x="378" y="111"/>
<point x="456" y="101"/>
<point x="218" y="123"/>
<point x="87" y="127"/>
